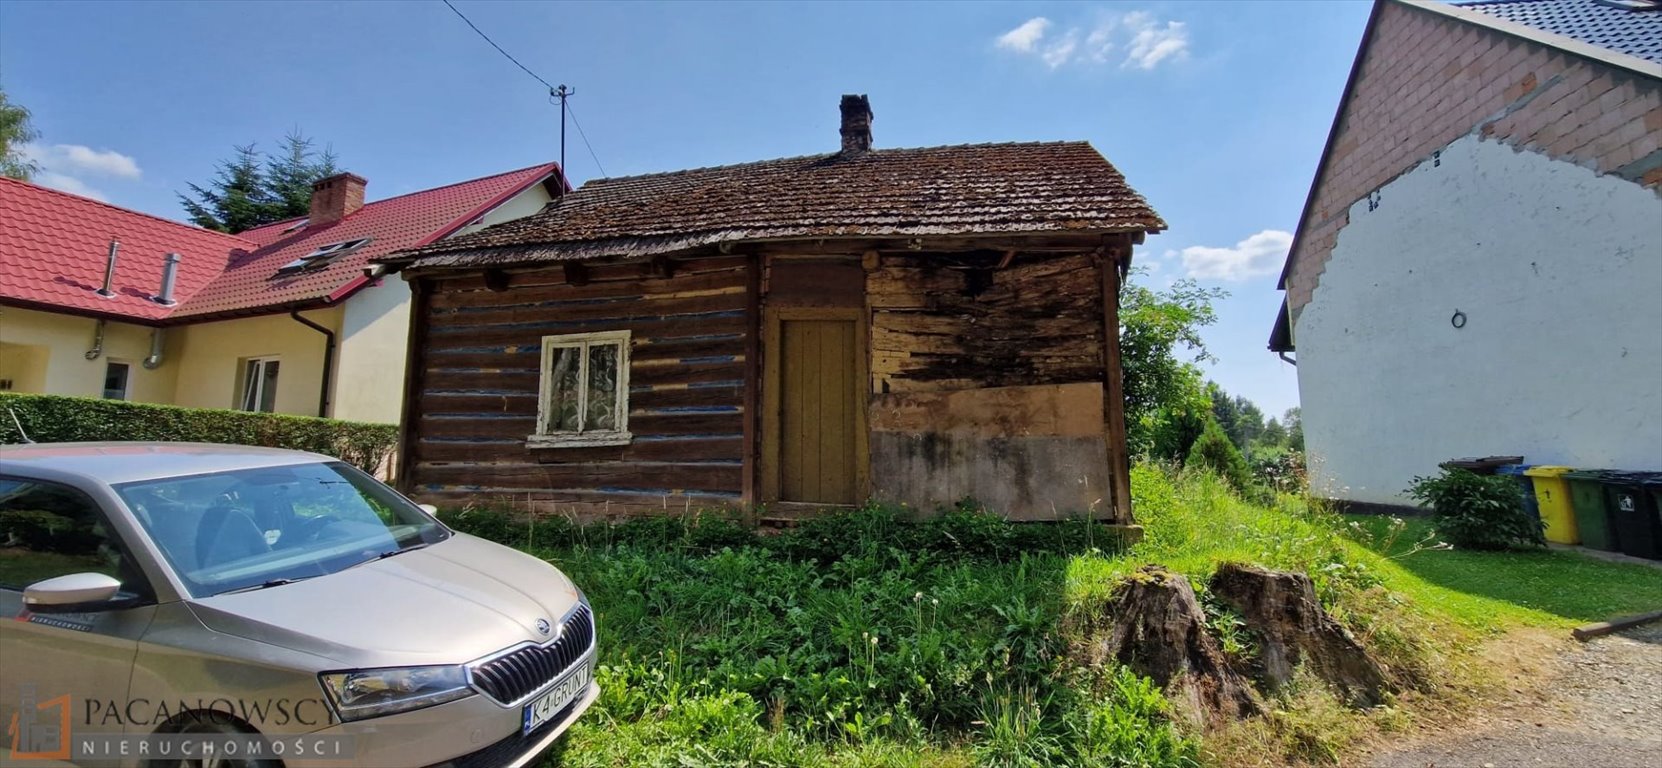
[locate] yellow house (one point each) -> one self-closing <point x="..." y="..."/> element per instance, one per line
<point x="290" y="317"/>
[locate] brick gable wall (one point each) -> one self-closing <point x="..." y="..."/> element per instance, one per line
<point x="1427" y="80"/>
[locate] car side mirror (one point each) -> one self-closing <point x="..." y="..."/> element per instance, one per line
<point x="429" y="509"/>
<point x="74" y="593"/>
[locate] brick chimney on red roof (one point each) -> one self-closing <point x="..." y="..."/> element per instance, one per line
<point x="856" y="128"/>
<point x="336" y="197"/>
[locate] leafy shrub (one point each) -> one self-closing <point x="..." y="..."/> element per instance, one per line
<point x="1475" y="511"/>
<point x="59" y="419"/>
<point x="1127" y="724"/>
<point x="1282" y="470"/>
<point x="1214" y="451"/>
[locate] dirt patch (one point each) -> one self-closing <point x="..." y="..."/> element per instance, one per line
<point x="1565" y="704"/>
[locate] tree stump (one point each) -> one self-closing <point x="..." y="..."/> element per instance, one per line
<point x="1292" y="627"/>
<point x="1160" y="632"/>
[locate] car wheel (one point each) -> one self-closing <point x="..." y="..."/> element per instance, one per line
<point x="218" y="761"/>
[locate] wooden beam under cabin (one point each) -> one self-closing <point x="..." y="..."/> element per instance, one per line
<point x="1115" y="250"/>
<point x="752" y="377"/>
<point x="407" y="416"/>
<point x="662" y="266"/>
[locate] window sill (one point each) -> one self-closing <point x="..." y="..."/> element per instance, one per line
<point x="589" y="440"/>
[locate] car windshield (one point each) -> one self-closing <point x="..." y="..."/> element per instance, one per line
<point x="253" y="528"/>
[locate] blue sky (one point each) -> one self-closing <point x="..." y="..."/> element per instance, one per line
<point x="1215" y="111"/>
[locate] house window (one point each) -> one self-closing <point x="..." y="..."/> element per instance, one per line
<point x="259" y="385"/>
<point x="115" y="380"/>
<point x="322" y="257"/>
<point x="585" y="390"/>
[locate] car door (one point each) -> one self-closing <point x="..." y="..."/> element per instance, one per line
<point x="62" y="675"/>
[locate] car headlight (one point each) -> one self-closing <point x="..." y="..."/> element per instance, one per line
<point x="376" y="692"/>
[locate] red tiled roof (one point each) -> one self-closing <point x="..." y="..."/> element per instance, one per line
<point x="395" y="223"/>
<point x="964" y="189"/>
<point x="53" y="247"/>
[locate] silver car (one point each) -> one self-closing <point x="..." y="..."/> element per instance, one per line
<point x="191" y="604"/>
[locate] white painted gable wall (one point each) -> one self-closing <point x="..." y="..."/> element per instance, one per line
<point x="1559" y="273"/>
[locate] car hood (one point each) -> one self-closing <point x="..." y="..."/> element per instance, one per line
<point x="447" y="603"/>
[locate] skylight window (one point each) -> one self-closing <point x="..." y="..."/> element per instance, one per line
<point x="296" y="226"/>
<point x="322" y="257"/>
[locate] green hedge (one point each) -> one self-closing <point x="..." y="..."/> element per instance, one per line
<point x="57" y="419"/>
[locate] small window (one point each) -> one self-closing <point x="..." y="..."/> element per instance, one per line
<point x="115" y="380"/>
<point x="585" y="390"/>
<point x="53" y="530"/>
<point x="259" y="385"/>
<point x="322" y="257"/>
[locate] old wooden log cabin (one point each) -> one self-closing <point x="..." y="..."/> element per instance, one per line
<point x="910" y="325"/>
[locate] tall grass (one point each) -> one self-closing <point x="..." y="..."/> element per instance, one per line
<point x="869" y="638"/>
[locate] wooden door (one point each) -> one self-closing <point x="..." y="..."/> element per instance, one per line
<point x="818" y="411"/>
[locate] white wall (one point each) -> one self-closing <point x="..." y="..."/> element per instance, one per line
<point x="1559" y="273"/>
<point x="519" y="206"/>
<point x="369" y="376"/>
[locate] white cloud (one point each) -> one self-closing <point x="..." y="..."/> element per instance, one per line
<point x="66" y="166"/>
<point x="1058" y="53"/>
<point x="68" y="184"/>
<point x="1258" y="255"/>
<point x="80" y="160"/>
<point x="1151" y="43"/>
<point x="1025" y="38"/>
<point x="1101" y="42"/>
<point x="1146" y="41"/>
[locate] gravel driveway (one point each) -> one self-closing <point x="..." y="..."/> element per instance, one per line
<point x="1601" y="708"/>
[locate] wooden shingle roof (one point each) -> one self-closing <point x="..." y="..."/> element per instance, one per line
<point x="955" y="190"/>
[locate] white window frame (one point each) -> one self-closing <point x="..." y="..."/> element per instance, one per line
<point x="582" y="437"/>
<point x="258" y="382"/>
<point x="126" y="381"/>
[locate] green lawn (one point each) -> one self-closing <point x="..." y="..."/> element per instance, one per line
<point x="1489" y="589"/>
<point x="867" y="639"/>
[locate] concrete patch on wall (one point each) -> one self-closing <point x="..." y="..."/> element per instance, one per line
<point x="1030" y="453"/>
<point x="1488" y="301"/>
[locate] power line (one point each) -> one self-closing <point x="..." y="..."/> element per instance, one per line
<point x="562" y="93"/>
<point x="497" y="47"/>
<point x="585" y="138"/>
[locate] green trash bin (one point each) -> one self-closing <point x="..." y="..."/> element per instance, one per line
<point x="1592" y="515"/>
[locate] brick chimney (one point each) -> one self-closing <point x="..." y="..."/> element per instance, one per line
<point x="336" y="197"/>
<point x="856" y="123"/>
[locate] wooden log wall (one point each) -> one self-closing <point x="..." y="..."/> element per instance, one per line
<point x="945" y="322"/>
<point x="476" y="388"/>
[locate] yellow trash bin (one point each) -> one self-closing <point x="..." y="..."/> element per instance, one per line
<point x="1552" y="494"/>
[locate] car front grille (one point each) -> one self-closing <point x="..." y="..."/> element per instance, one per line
<point x="515" y="675"/>
<point x="511" y="748"/>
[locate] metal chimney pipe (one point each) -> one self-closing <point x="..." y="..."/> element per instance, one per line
<point x="108" y="291"/>
<point x="154" y="361"/>
<point x="170" y="274"/>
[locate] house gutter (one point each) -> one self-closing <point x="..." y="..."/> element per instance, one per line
<point x="328" y="360"/>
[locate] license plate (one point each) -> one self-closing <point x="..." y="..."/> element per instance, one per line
<point x="543" y="708"/>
